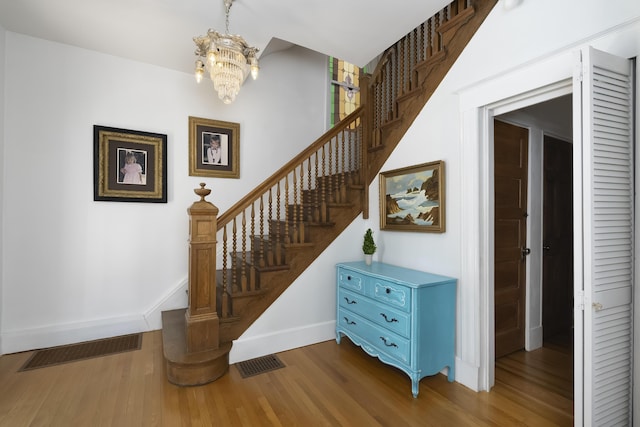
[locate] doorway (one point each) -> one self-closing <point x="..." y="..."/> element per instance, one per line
<point x="545" y="225"/>
<point x="549" y="227"/>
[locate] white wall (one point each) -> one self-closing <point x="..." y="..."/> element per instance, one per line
<point x="80" y="269"/>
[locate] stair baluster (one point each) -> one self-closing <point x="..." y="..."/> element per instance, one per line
<point x="301" y="236"/>
<point x="252" y="254"/>
<point x="243" y="263"/>
<point x="225" y="289"/>
<point x="234" y="260"/>
<point x="277" y="243"/>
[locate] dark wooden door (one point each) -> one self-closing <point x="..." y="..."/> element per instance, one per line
<point x="557" y="238"/>
<point x="510" y="171"/>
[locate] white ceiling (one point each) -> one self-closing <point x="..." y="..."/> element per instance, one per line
<point x="160" y="32"/>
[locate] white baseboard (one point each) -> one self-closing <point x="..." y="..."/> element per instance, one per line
<point x="261" y="345"/>
<point x="54" y="335"/>
<point x="174" y="299"/>
<point x="467" y="374"/>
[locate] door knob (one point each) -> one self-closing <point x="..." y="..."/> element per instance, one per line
<point x="525" y="252"/>
<point x="546" y="247"/>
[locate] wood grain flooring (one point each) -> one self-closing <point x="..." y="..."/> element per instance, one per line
<point x="322" y="385"/>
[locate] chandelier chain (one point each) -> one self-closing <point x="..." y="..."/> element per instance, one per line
<point x="227" y="5"/>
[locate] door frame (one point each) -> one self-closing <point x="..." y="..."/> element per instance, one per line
<point x="478" y="189"/>
<point x="478" y="201"/>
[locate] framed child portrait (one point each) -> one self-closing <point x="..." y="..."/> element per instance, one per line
<point x="214" y="150"/>
<point x="412" y="198"/>
<point x="129" y="165"/>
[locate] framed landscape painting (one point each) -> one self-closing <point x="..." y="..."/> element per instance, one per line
<point x="412" y="198"/>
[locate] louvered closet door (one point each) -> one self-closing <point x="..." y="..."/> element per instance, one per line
<point x="605" y="211"/>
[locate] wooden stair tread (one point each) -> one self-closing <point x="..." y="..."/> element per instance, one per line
<point x="252" y="293"/>
<point x="299" y="245"/>
<point x="252" y="264"/>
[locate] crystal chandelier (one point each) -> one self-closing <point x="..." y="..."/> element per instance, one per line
<point x="227" y="58"/>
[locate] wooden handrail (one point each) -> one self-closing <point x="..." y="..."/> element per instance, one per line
<point x="253" y="195"/>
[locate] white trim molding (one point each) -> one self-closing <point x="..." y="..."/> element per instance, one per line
<point x="275" y="342"/>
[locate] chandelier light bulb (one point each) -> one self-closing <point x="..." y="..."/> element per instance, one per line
<point x="199" y="71"/>
<point x="254" y="68"/>
<point x="211" y="57"/>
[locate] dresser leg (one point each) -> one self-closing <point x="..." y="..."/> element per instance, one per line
<point x="415" y="383"/>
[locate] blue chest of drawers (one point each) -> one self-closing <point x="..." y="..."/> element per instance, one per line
<point x="405" y="318"/>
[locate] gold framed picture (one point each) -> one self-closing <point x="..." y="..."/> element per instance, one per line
<point x="412" y="198"/>
<point x="214" y="148"/>
<point x="129" y="165"/>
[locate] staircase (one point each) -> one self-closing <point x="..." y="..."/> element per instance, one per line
<point x="275" y="232"/>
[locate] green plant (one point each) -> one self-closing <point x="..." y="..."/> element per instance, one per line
<point x="368" y="246"/>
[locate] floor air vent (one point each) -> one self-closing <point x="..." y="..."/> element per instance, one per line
<point x="85" y="350"/>
<point x="259" y="365"/>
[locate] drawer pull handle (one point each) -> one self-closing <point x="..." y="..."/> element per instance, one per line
<point x="350" y="301"/>
<point x="348" y="277"/>
<point x="384" y="340"/>
<point x="388" y="290"/>
<point x="349" y="322"/>
<point x="393" y="319"/>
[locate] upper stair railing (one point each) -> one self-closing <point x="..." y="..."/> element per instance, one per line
<point x="397" y="73"/>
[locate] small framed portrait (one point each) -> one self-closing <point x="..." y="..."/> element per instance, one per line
<point x="412" y="198"/>
<point x="129" y="165"/>
<point x="214" y="150"/>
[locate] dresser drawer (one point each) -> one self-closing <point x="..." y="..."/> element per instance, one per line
<point x="393" y="294"/>
<point x="379" y="338"/>
<point x="350" y="280"/>
<point x="392" y="319"/>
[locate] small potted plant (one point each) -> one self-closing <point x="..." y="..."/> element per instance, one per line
<point x="368" y="246"/>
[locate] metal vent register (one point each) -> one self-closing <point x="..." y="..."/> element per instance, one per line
<point x="259" y="365"/>
<point x="85" y="350"/>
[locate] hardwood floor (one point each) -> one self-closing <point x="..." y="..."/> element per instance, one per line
<point x="322" y="385"/>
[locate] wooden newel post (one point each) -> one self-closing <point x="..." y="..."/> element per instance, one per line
<point x="202" y="323"/>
